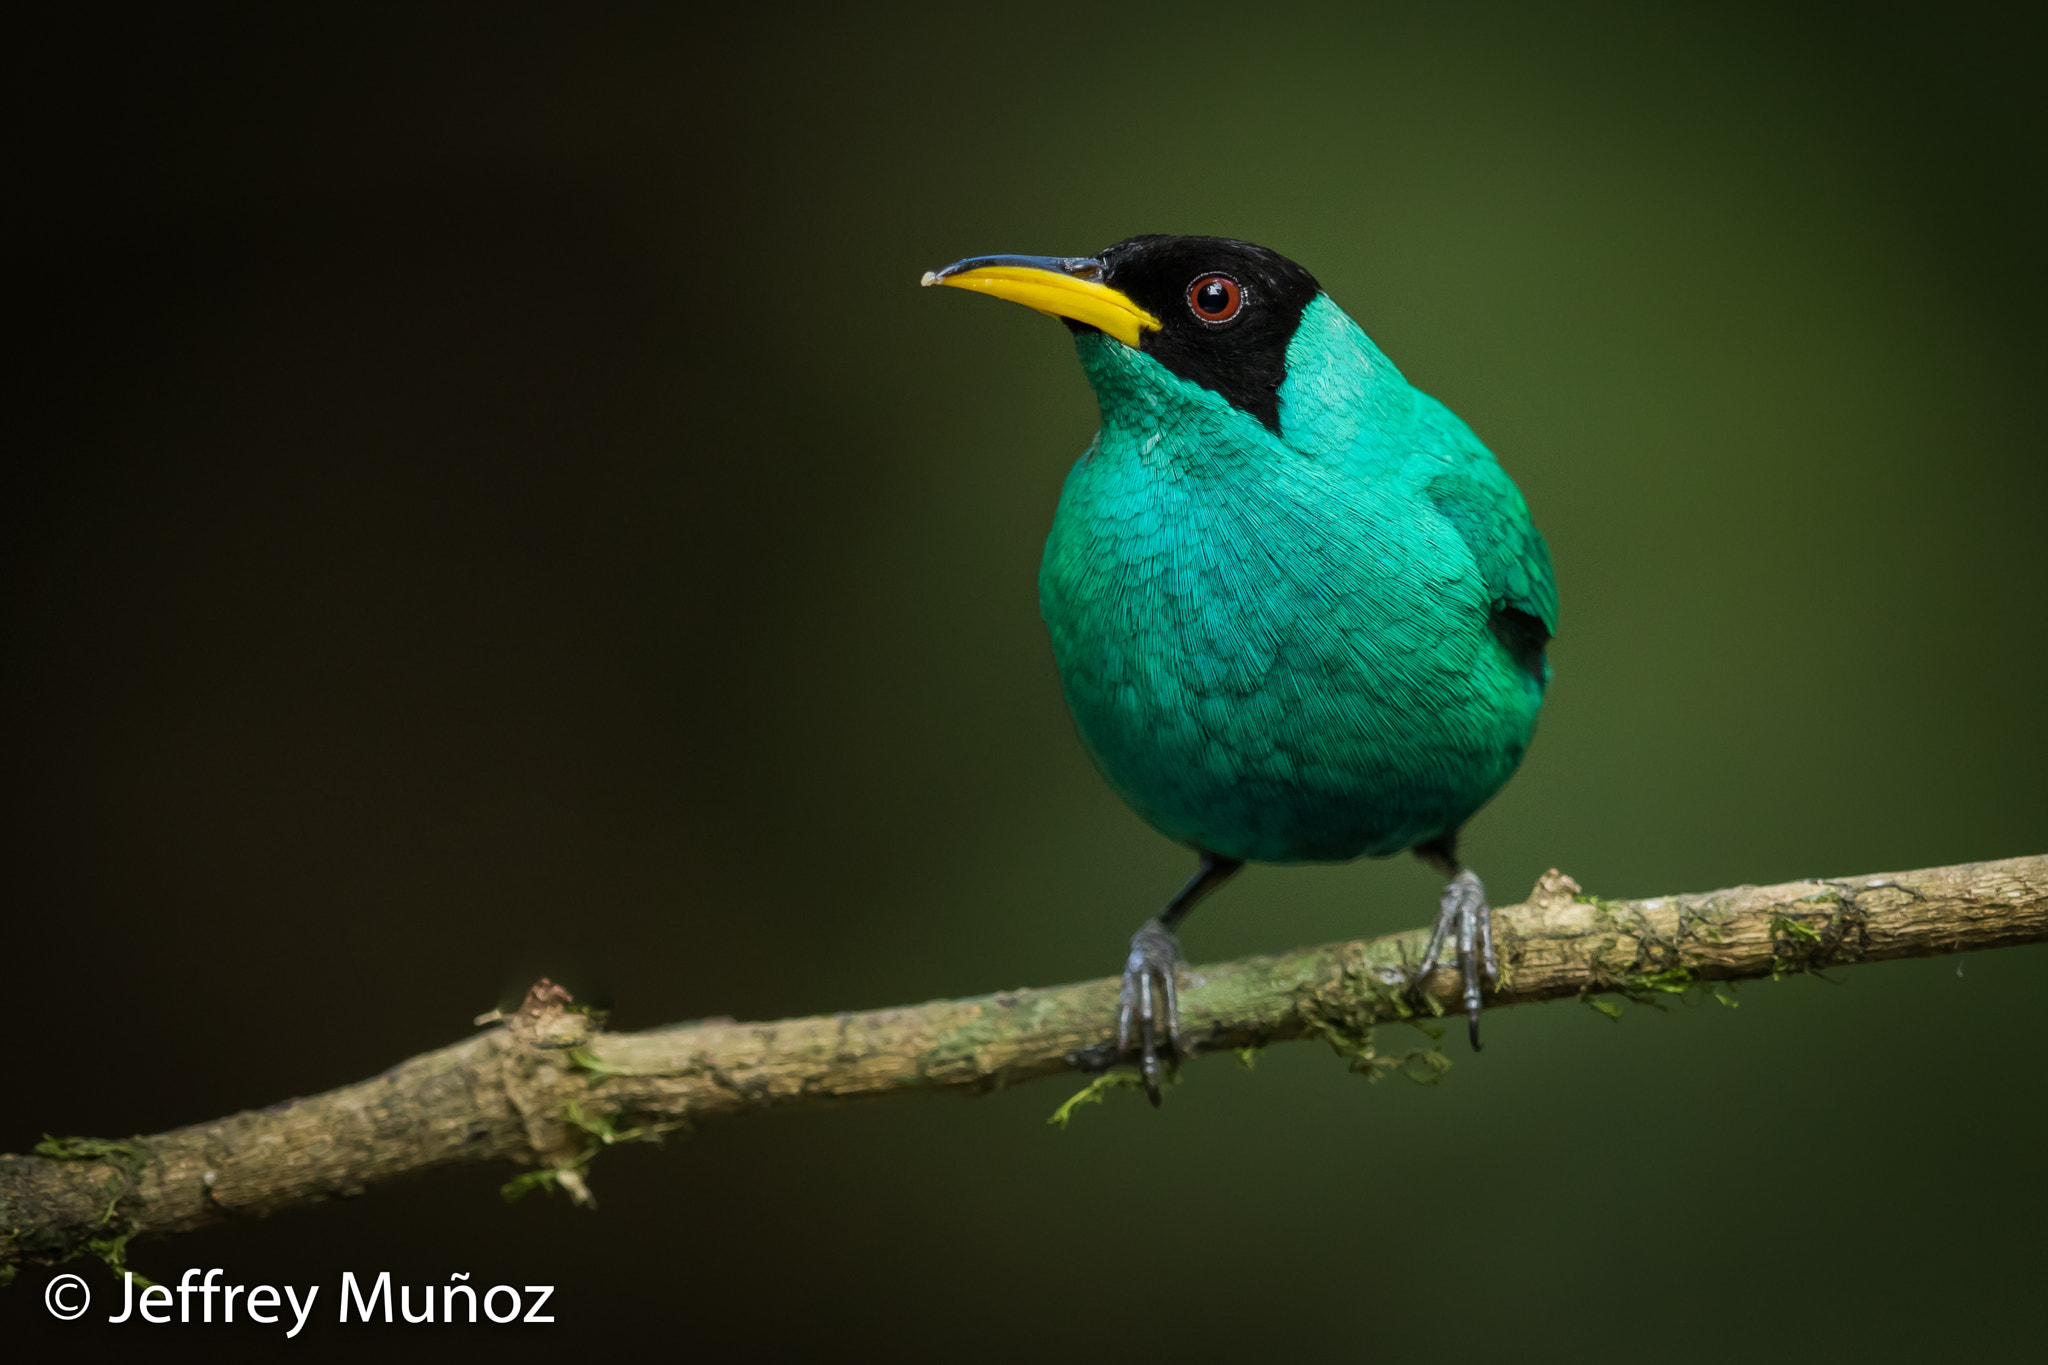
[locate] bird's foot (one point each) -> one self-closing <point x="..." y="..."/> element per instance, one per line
<point x="1464" y="909"/>
<point x="1151" y="999"/>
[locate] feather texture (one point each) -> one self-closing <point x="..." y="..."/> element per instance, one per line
<point x="1287" y="647"/>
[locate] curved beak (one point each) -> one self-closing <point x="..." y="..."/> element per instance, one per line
<point x="1058" y="286"/>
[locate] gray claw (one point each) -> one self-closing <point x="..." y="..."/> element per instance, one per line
<point x="1464" y="907"/>
<point x="1149" y="990"/>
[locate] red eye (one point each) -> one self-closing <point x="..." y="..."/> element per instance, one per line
<point x="1215" y="298"/>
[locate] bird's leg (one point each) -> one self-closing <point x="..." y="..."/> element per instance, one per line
<point x="1462" y="907"/>
<point x="1151" y="996"/>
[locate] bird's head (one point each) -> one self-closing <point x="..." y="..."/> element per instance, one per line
<point x="1214" y="312"/>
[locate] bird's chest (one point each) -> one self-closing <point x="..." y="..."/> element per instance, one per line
<point x="1168" y="589"/>
<point x="1271" y="663"/>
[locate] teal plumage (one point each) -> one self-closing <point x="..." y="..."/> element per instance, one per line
<point x="1277" y="646"/>
<point x="1299" y="611"/>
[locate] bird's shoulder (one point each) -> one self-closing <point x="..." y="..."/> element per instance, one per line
<point x="1462" y="483"/>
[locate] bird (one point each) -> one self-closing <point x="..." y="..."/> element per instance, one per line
<point x="1300" y="613"/>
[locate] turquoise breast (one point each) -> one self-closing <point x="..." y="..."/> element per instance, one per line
<point x="1276" y="646"/>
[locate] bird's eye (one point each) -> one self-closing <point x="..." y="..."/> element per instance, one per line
<point x="1215" y="298"/>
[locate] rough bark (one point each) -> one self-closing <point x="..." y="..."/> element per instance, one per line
<point x="546" y="1087"/>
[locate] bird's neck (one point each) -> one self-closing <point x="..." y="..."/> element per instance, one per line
<point x="1154" y="417"/>
<point x="1341" y="392"/>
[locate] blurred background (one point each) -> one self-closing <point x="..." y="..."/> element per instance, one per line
<point x="489" y="499"/>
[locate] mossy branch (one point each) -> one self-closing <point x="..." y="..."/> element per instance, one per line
<point x="545" y="1087"/>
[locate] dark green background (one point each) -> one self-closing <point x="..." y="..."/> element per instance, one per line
<point x="487" y="498"/>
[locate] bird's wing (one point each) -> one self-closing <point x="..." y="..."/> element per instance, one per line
<point x="1473" y="493"/>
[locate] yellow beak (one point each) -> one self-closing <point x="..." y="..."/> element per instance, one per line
<point x="1059" y="286"/>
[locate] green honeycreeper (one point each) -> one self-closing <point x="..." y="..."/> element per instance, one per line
<point x="1300" y="613"/>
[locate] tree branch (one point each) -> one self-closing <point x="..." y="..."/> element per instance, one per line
<point x="548" y="1087"/>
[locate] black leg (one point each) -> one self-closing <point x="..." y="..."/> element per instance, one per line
<point x="1463" y="907"/>
<point x="1150" y="994"/>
